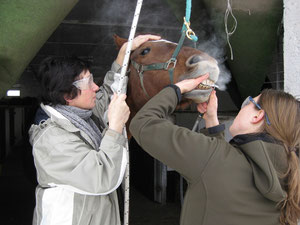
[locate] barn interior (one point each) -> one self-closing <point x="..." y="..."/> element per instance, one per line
<point x="250" y="56"/>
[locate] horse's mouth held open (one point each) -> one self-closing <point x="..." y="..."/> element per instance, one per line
<point x="153" y="67"/>
<point x="200" y="65"/>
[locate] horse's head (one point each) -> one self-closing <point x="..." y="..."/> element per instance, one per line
<point x="149" y="70"/>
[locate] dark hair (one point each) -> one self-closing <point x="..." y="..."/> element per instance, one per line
<point x="56" y="75"/>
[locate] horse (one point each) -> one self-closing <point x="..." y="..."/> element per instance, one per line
<point x="146" y="79"/>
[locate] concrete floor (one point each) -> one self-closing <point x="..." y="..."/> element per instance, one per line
<point x="18" y="200"/>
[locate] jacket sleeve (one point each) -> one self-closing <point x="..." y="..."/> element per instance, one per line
<point x="185" y="151"/>
<point x="105" y="92"/>
<point x="216" y="131"/>
<point x="64" y="159"/>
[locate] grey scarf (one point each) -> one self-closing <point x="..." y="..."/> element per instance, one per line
<point x="81" y="118"/>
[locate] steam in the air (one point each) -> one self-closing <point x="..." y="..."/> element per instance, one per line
<point x="157" y="17"/>
<point x="215" y="47"/>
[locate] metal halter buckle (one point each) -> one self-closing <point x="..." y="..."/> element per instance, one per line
<point x="171" y="61"/>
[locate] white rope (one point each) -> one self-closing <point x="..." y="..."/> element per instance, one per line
<point x="129" y="45"/>
<point x="228" y="34"/>
<point x="122" y="80"/>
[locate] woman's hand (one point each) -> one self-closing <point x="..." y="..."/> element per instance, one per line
<point x="118" y="112"/>
<point x="190" y="84"/>
<point x="209" y="109"/>
<point x="136" y="42"/>
<point x="141" y="39"/>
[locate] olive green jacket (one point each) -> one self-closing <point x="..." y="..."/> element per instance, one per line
<point x="228" y="183"/>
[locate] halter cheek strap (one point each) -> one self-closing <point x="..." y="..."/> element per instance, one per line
<point x="157" y="66"/>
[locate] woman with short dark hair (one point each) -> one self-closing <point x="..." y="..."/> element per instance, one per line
<point x="78" y="147"/>
<point x="254" y="179"/>
<point x="56" y="76"/>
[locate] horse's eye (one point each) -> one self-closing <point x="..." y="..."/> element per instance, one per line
<point x="145" y="51"/>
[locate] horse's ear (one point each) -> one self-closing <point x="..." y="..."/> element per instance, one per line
<point x="119" y="41"/>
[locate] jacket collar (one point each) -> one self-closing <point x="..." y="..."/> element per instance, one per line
<point x="54" y="115"/>
<point x="48" y="112"/>
<point x="246" y="138"/>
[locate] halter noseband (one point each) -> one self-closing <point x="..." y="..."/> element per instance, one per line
<point x="155" y="66"/>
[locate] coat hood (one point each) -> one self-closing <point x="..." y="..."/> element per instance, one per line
<point x="46" y="115"/>
<point x="268" y="160"/>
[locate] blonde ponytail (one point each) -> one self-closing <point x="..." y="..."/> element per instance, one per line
<point x="283" y="112"/>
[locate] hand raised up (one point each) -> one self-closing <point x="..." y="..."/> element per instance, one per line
<point x="190" y="84"/>
<point x="209" y="109"/>
<point x="136" y="42"/>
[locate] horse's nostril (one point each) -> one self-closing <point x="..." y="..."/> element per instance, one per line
<point x="194" y="59"/>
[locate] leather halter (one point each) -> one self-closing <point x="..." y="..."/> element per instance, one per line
<point x="159" y="66"/>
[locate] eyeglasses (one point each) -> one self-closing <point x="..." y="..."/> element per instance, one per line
<point x="84" y="83"/>
<point x="250" y="99"/>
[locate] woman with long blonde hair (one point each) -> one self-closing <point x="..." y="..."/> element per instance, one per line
<point x="283" y="110"/>
<point x="253" y="179"/>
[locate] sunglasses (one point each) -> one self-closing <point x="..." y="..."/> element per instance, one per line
<point x="250" y="99"/>
<point x="84" y="83"/>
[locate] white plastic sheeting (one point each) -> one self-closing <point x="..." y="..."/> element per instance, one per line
<point x="292" y="47"/>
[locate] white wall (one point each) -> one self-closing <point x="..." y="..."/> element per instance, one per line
<point x="291" y="47"/>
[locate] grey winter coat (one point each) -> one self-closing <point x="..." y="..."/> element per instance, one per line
<point x="77" y="183"/>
